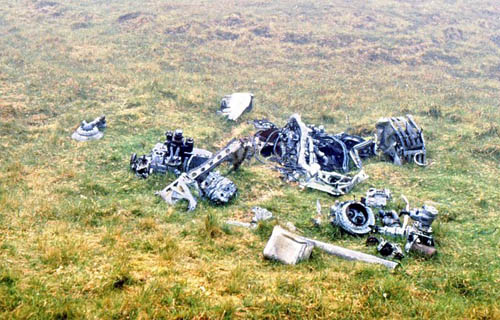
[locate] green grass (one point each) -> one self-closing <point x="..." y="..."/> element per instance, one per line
<point x="82" y="237"/>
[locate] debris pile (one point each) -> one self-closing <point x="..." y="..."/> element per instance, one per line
<point x="357" y="218"/>
<point x="419" y="236"/>
<point x="306" y="154"/>
<point x="321" y="161"/>
<point x="310" y="156"/>
<point x="193" y="166"/>
<point x="208" y="184"/>
<point x="177" y="154"/>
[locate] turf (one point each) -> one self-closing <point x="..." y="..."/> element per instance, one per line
<point x="82" y="237"/>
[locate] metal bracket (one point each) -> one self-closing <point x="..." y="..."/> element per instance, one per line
<point x="179" y="190"/>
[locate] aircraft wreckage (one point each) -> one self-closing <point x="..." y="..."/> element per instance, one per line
<point x="194" y="168"/>
<point x="306" y="154"/>
<point x="302" y="153"/>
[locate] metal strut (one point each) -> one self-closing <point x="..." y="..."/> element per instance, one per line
<point x="179" y="189"/>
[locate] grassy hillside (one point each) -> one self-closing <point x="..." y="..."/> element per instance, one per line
<point x="82" y="237"/>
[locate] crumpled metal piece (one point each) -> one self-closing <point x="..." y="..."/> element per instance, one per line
<point x="179" y="190"/>
<point x="90" y="130"/>
<point x="214" y="187"/>
<point x="352" y="216"/>
<point x="234" y="105"/>
<point x="334" y="183"/>
<point x="308" y="155"/>
<point x="402" y="140"/>
<point x="390" y="250"/>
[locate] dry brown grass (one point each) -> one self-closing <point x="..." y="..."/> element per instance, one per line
<point x="81" y="237"/>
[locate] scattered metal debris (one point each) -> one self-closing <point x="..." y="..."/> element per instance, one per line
<point x="419" y="236"/>
<point x="305" y="154"/>
<point x="315" y="159"/>
<point x="357" y="218"/>
<point x="353" y="217"/>
<point x="401" y="140"/>
<point x="234" y="105"/>
<point x="213" y="186"/>
<point x="290" y="248"/>
<point x="308" y="155"/>
<point x="90" y="130"/>
<point x="377" y="198"/>
<point x="193" y="166"/>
